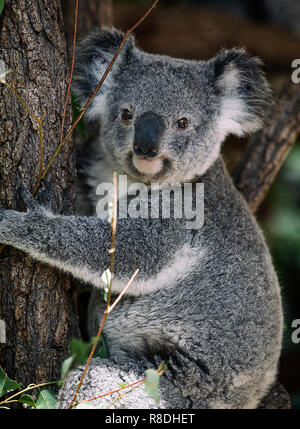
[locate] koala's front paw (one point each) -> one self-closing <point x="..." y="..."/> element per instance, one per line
<point x="9" y="223"/>
<point x="16" y="227"/>
<point x="43" y="200"/>
<point x="44" y="194"/>
<point x="2" y="212"/>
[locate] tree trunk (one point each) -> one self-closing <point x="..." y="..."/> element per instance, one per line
<point x="36" y="302"/>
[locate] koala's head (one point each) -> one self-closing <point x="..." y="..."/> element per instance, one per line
<point x="164" y="119"/>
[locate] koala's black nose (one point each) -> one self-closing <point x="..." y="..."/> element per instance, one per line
<point x="148" y="131"/>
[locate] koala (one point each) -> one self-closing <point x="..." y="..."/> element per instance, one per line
<point x="206" y="300"/>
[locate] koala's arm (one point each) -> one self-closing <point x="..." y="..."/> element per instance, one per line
<point x="80" y="245"/>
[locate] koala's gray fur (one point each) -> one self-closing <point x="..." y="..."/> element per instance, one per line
<point x="206" y="300"/>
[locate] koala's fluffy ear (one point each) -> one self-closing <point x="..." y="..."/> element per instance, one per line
<point x="93" y="56"/>
<point x="245" y="95"/>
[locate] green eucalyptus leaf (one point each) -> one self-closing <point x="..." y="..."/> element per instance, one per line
<point x="152" y="384"/>
<point x="46" y="400"/>
<point x="6" y="384"/>
<point x="65" y="368"/>
<point x="80" y="350"/>
<point x="122" y="385"/>
<point x="27" y="399"/>
<point x="101" y="351"/>
<point x="1" y="5"/>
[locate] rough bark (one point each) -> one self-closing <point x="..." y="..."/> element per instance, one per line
<point x="36" y="301"/>
<point x="267" y="150"/>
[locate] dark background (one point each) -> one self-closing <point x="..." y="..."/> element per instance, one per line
<point x="197" y="29"/>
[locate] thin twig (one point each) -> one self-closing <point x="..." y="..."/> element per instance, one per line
<point x="161" y="369"/>
<point x="113" y="229"/>
<point x="123" y="291"/>
<point x="121" y="396"/>
<point x="15" y="93"/>
<point x="71" y="73"/>
<point x="69" y="133"/>
<point x="113" y="391"/>
<point x="109" y="307"/>
<point x="40" y="124"/>
<point x="114" y="217"/>
<point x="30" y="387"/>
<point x="89" y="360"/>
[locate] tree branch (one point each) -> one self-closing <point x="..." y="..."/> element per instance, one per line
<point x="267" y="150"/>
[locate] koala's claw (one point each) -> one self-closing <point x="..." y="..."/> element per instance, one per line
<point x="44" y="194"/>
<point x="2" y="210"/>
<point x="28" y="199"/>
<point x="43" y="197"/>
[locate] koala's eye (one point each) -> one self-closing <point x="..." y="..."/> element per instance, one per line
<point x="182" y="123"/>
<point x="127" y="116"/>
